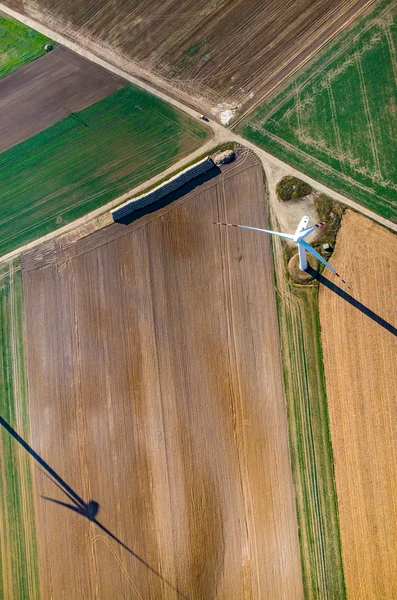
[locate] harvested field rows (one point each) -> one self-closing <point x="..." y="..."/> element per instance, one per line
<point x="347" y="141"/>
<point x="156" y="390"/>
<point x="311" y="452"/>
<point x="223" y="53"/>
<point x="19" y="575"/>
<point x="39" y="94"/>
<point x="360" y="349"/>
<point x="85" y="160"/>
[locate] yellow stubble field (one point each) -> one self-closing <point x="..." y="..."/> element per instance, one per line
<point x="359" y="330"/>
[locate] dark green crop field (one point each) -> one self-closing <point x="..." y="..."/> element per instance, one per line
<point x="336" y="119"/>
<point x="87" y="159"/>
<point x="18" y="45"/>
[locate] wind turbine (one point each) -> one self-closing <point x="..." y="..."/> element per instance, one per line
<point x="299" y="238"/>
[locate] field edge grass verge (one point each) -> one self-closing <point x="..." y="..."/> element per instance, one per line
<point x="310" y="441"/>
<point x="19" y="574"/>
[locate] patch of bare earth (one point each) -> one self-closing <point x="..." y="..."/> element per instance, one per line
<point x="50" y="88"/>
<point x="226" y="55"/>
<point x="156" y="390"/>
<point x="360" y="349"/>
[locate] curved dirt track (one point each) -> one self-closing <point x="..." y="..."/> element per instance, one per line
<point x="156" y="390"/>
<point x="359" y="332"/>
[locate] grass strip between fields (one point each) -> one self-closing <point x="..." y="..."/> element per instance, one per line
<point x="19" y="575"/>
<point x="310" y="442"/>
<point x="19" y="45"/>
<point x="88" y="159"/>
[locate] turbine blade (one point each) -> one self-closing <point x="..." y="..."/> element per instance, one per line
<point x="306" y="232"/>
<point x="314" y="252"/>
<point x="287" y="236"/>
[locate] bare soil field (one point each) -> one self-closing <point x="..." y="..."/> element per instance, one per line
<point x="227" y="55"/>
<point x="48" y="89"/>
<point x="360" y="349"/>
<point x="156" y="390"/>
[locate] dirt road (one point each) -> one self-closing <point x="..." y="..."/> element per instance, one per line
<point x="156" y="390"/>
<point x="360" y="347"/>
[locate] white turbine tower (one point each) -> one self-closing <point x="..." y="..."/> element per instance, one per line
<point x="299" y="238"/>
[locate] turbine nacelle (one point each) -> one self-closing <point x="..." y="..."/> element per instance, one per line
<point x="303" y="223"/>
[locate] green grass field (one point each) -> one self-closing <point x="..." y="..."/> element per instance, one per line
<point x="336" y="118"/>
<point x="310" y="443"/>
<point x="87" y="159"/>
<point x="18" y="45"/>
<point x="18" y="554"/>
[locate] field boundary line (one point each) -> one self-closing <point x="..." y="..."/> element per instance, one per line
<point x="336" y="128"/>
<point x="368" y="114"/>
<point x="298" y="113"/>
<point x="392" y="49"/>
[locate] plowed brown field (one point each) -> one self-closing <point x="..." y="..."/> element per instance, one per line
<point x="156" y="390"/>
<point x="48" y="89"/>
<point x="360" y="350"/>
<point x="224" y="53"/>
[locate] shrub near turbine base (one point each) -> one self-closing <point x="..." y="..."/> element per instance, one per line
<point x="292" y="188"/>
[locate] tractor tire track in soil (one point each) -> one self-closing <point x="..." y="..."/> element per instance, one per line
<point x="156" y="390"/>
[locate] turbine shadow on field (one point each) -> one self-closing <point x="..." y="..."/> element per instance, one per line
<point x="348" y="298"/>
<point x="171" y="197"/>
<point x="77" y="504"/>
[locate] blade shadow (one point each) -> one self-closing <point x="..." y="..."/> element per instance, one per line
<point x="89" y="510"/>
<point x="64" y="486"/>
<point x="70" y="506"/>
<point x="351" y="300"/>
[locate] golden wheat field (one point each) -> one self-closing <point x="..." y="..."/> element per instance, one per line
<point x="359" y="330"/>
